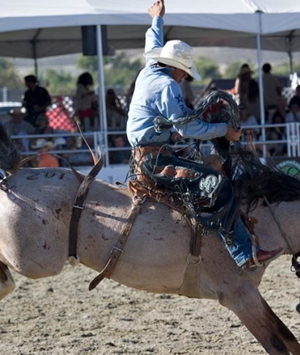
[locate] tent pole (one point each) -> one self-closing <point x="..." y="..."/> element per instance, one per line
<point x="289" y="51"/>
<point x="33" y="42"/>
<point x="35" y="58"/>
<point x="260" y="80"/>
<point x="291" y="62"/>
<point x="291" y="66"/>
<point x="101" y="95"/>
<point x="36" y="67"/>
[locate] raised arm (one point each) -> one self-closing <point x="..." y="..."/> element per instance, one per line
<point x="157" y="9"/>
<point x="154" y="35"/>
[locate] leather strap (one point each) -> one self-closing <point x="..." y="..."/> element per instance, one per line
<point x="117" y="249"/>
<point x="196" y="239"/>
<point x="78" y="207"/>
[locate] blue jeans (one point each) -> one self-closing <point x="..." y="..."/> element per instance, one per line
<point x="240" y="248"/>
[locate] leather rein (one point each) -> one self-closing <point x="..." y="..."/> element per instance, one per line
<point x="77" y="209"/>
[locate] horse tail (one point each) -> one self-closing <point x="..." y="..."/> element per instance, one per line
<point x="10" y="156"/>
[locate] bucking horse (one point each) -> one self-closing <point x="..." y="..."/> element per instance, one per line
<point x="52" y="215"/>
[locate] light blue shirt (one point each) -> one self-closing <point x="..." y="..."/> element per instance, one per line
<point x="158" y="94"/>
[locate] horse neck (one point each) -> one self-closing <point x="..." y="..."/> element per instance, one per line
<point x="278" y="225"/>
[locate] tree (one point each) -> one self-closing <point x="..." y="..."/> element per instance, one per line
<point x="9" y="76"/>
<point x="283" y="69"/>
<point x="58" y="82"/>
<point x="208" y="69"/>
<point x="88" y="63"/>
<point x="233" y="68"/>
<point x="119" y="70"/>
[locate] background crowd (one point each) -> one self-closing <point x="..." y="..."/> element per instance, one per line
<point x="33" y="117"/>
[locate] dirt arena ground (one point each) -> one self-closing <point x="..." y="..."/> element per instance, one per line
<point x="58" y="316"/>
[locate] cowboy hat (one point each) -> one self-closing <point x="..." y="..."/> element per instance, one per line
<point x="41" y="143"/>
<point x="177" y="54"/>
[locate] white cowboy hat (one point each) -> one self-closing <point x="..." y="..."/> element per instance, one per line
<point x="177" y="54"/>
<point x="59" y="141"/>
<point x="41" y="143"/>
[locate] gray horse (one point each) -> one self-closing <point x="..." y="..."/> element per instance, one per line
<point x="36" y="208"/>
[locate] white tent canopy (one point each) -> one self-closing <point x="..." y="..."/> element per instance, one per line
<point x="35" y="29"/>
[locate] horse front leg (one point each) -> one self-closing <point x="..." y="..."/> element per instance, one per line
<point x="286" y="335"/>
<point x="7" y="283"/>
<point x="254" y="312"/>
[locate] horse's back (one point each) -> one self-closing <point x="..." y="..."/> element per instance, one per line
<point x="36" y="208"/>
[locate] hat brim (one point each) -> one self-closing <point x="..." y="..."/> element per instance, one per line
<point x="38" y="146"/>
<point x="155" y="55"/>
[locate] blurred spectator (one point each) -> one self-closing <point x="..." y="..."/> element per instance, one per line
<point x="121" y="156"/>
<point x="249" y="138"/>
<point x="296" y="98"/>
<point x="241" y="84"/>
<point x="36" y="99"/>
<point x="272" y="90"/>
<point x="42" y="125"/>
<point x="86" y="103"/>
<point x="115" y="113"/>
<point x="276" y="133"/>
<point x="74" y="155"/>
<point x="187" y="92"/>
<point x="44" y="159"/>
<point x="294" y="114"/>
<point x="16" y="126"/>
<point x="282" y="108"/>
<point x="253" y="104"/>
<point x="248" y="120"/>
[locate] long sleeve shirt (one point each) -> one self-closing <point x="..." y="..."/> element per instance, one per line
<point x="158" y="94"/>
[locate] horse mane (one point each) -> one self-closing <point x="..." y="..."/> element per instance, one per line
<point x="252" y="180"/>
<point x="10" y="156"/>
<point x="257" y="181"/>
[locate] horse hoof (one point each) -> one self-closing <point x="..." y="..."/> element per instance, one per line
<point x="298" y="308"/>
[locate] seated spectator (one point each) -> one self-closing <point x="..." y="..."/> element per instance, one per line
<point x="249" y="138"/>
<point x="16" y="126"/>
<point x="276" y="133"/>
<point x="296" y="98"/>
<point x="248" y="120"/>
<point x="42" y="125"/>
<point x="74" y="155"/>
<point x="44" y="158"/>
<point x="282" y="109"/>
<point x="116" y="115"/>
<point x="120" y="156"/>
<point x="294" y="114"/>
